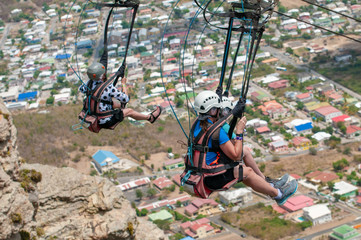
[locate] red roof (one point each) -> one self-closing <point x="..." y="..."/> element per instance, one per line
<point x="166" y="104"/>
<point x="295" y="176"/>
<point x="326" y="177"/>
<point x="45" y="68"/>
<point x="263" y="129"/>
<point x="313" y="174"/>
<point x="200" y="202"/>
<point x="173" y="161"/>
<point x="352" y="129"/>
<point x="278" y="84"/>
<point x="327" y="110"/>
<point x="341" y="118"/>
<point x="162" y="182"/>
<point x="309" y="88"/>
<point x="195" y="227"/>
<point x="176" y="179"/>
<point x="299" y="140"/>
<point x="303" y="95"/>
<point x="358" y="199"/>
<point x="278" y="209"/>
<point x="297" y="203"/>
<point x="171" y="90"/>
<point x="191" y="209"/>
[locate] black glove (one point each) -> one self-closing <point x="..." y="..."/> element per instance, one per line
<point x="219" y="91"/>
<point x="238" y="110"/>
<point x="122" y="70"/>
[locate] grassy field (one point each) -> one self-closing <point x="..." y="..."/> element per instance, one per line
<point x="48" y="138"/>
<point x="348" y="75"/>
<point x="262" y="222"/>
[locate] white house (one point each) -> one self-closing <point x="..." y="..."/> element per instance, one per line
<point x="317" y="214"/>
<point x="238" y="196"/>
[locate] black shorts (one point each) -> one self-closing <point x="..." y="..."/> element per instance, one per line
<point x="217" y="182"/>
<point x="116" y="118"/>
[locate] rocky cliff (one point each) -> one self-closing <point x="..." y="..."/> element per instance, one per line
<point x="44" y="202"/>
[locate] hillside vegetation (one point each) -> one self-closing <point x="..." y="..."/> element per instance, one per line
<point x="47" y="138"/>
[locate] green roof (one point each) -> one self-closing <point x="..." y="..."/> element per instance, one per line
<point x="146" y="54"/>
<point x="190" y="96"/>
<point x="344" y="232"/>
<point x="161" y="215"/>
<point x="47" y="60"/>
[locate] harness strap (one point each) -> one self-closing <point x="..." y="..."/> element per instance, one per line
<point x="213" y="170"/>
<point x="121" y="69"/>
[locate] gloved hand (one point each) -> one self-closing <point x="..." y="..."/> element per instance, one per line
<point x="238" y="110"/>
<point x="122" y="71"/>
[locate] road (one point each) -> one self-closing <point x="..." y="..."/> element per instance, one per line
<point x="8" y="26"/>
<point x="217" y="220"/>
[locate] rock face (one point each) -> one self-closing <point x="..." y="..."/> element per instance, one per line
<point x="39" y="201"/>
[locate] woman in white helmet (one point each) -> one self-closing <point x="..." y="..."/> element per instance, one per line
<point x="208" y="105"/>
<point x="97" y="74"/>
<point x="227" y="107"/>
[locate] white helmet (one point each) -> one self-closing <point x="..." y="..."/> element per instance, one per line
<point x="205" y="101"/>
<point x="226" y="103"/>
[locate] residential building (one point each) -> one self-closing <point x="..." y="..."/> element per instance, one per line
<point x="162" y="182"/>
<point x="238" y="196"/>
<point x="297" y="203"/>
<point x="256" y="123"/>
<point x="103" y="160"/>
<point x="344" y="189"/>
<point x="161" y="215"/>
<point x="346" y="119"/>
<point x="278" y="146"/>
<point x="311" y="106"/>
<point x="321" y="136"/>
<point x="353" y="131"/>
<point x="173" y="164"/>
<point x="202" y="206"/>
<point x="273" y="109"/>
<point x="134" y="184"/>
<point x="11" y="95"/>
<point x="200" y="228"/>
<point x="262" y="130"/>
<point x="184" y="199"/>
<point x="344" y="232"/>
<point x="278" y="84"/>
<point x="301" y="143"/>
<point x="317" y="214"/>
<point x="304" y="97"/>
<point x="322" y="177"/>
<point x="327" y="113"/>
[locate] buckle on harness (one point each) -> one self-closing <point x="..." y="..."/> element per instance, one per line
<point x="206" y="149"/>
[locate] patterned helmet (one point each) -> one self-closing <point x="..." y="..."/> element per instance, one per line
<point x="95" y="71"/>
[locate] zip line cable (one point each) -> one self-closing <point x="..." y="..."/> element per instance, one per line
<point x="317" y="26"/>
<point x="161" y="71"/>
<point x="330" y="10"/>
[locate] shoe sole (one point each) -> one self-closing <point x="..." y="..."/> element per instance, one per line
<point x="285" y="200"/>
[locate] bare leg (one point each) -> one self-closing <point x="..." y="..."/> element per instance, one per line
<point x="250" y="162"/>
<point x="257" y="183"/>
<point x="128" y="112"/>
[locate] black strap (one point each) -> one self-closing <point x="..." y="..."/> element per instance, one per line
<point x="212" y="170"/>
<point x="121" y="69"/>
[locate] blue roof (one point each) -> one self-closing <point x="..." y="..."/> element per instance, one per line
<point x="27" y="96"/>
<point x="187" y="238"/>
<point x="63" y="56"/>
<point x="304" y="127"/>
<point x="62" y="75"/>
<point x="102" y="156"/>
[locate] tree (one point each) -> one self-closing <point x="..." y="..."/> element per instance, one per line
<point x="313" y="151"/>
<point x="347" y="151"/>
<point x="151" y="192"/>
<point x="50" y="100"/>
<point x="289" y="50"/>
<point x="300" y="105"/>
<point x="139" y="193"/>
<point x="340" y="164"/>
<point x="330" y="185"/>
